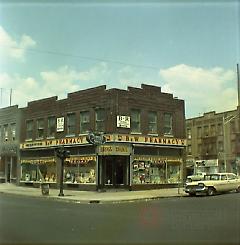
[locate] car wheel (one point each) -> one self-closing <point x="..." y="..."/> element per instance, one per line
<point x="211" y="191"/>
<point x="192" y="194"/>
<point x="238" y="189"/>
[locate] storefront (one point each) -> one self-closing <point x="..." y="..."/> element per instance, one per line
<point x="124" y="161"/>
<point x="8" y="162"/>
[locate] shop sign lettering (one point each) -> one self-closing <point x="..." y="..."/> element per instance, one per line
<point x="122" y="138"/>
<point x="113" y="150"/>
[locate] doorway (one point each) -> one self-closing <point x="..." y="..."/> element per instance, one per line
<point x="114" y="171"/>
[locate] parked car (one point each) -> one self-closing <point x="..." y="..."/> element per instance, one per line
<point x="195" y="177"/>
<point x="214" y="183"/>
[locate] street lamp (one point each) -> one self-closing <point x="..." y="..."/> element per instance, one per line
<point x="62" y="154"/>
<point x="225" y="121"/>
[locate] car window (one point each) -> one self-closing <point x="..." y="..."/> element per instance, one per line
<point x="211" y="177"/>
<point x="232" y="176"/>
<point x="224" y="177"/>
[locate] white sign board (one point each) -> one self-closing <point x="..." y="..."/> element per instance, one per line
<point x="60" y="124"/>
<point x="123" y="121"/>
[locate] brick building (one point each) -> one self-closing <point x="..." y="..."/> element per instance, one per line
<point x="213" y="142"/>
<point x="144" y="131"/>
<point x="9" y="143"/>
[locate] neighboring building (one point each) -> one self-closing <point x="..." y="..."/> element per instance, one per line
<point x="213" y="142"/>
<point x="145" y="139"/>
<point x="9" y="143"/>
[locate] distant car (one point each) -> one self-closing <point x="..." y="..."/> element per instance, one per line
<point x="195" y="177"/>
<point x="214" y="183"/>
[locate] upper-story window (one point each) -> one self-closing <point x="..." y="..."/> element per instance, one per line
<point x="84" y="122"/>
<point x="5" y="132"/>
<point x="206" y="130"/>
<point x="13" y="131"/>
<point x="71" y="124"/>
<point x="51" y="126"/>
<point x="0" y="133"/>
<point x="135" y="121"/>
<point x="29" y="130"/>
<point x="100" y="120"/>
<point x="212" y="130"/>
<point x="189" y="133"/>
<point x="199" y="132"/>
<point x="40" y="128"/>
<point x="168" y="128"/>
<point x="152" y="122"/>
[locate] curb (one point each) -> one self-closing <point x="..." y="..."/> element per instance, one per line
<point x="94" y="201"/>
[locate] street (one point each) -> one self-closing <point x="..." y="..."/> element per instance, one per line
<point x="185" y="220"/>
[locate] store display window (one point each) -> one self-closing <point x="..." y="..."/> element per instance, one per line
<point x="80" y="170"/>
<point x="38" y="170"/>
<point x="155" y="172"/>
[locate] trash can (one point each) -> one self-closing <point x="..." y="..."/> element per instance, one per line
<point x="45" y="188"/>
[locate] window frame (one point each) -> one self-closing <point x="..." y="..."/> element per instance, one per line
<point x="168" y="124"/>
<point x="71" y="127"/>
<point x="135" y="122"/>
<point x="84" y="125"/>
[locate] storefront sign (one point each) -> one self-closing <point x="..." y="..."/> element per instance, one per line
<point x="114" y="138"/>
<point x="114" y="150"/>
<point x="123" y="121"/>
<point x="60" y="124"/>
<point x="145" y="139"/>
<point x="158" y="159"/>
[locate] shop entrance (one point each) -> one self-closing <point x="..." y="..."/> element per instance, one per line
<point x="114" y="171"/>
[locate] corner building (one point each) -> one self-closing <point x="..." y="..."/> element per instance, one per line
<point x="144" y="131"/>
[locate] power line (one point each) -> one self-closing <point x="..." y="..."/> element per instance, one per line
<point x="83" y="57"/>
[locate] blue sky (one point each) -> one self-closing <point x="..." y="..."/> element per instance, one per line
<point x="189" y="49"/>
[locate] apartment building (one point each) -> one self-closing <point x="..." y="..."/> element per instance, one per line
<point x="213" y="142"/>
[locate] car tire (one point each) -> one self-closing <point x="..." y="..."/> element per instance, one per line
<point x="211" y="191"/>
<point x="238" y="189"/>
<point x="192" y="194"/>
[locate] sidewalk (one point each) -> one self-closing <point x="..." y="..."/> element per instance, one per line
<point x="93" y="196"/>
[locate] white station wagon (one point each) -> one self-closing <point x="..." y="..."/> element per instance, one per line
<point x="214" y="183"/>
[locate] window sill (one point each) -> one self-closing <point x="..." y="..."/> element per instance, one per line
<point x="153" y="135"/>
<point x="70" y="135"/>
<point x="168" y="135"/>
<point x="138" y="133"/>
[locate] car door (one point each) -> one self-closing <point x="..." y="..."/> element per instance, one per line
<point x="223" y="183"/>
<point x="233" y="182"/>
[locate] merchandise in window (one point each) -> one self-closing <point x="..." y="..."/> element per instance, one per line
<point x="38" y="170"/>
<point x="157" y="172"/>
<point x="80" y="171"/>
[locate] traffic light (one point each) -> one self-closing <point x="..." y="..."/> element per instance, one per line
<point x="62" y="153"/>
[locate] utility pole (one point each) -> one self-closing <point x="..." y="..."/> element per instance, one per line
<point x="10" y="102"/>
<point x="238" y="82"/>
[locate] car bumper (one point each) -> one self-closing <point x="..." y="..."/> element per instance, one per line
<point x="195" y="190"/>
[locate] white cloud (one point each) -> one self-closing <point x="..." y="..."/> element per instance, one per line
<point x="51" y="83"/>
<point x="9" y="47"/>
<point x="202" y="89"/>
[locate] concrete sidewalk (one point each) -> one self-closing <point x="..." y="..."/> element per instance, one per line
<point x="111" y="196"/>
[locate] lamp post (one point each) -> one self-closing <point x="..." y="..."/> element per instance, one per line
<point x="62" y="154"/>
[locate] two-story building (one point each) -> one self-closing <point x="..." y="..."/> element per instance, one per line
<point x="9" y="143"/>
<point x="144" y="131"/>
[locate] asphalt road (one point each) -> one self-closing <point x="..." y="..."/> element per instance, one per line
<point x="186" y="220"/>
